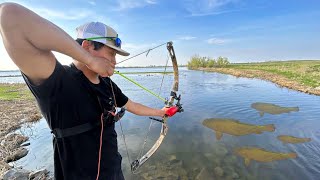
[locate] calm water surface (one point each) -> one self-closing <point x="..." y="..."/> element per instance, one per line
<point x="191" y="150"/>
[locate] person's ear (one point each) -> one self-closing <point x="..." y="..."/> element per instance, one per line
<point x="86" y="44"/>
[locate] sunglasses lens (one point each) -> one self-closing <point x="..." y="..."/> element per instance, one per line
<point x="118" y="42"/>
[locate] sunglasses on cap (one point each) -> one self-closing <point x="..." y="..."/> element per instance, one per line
<point x="117" y="41"/>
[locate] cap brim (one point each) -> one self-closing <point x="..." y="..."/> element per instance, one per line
<point x="119" y="51"/>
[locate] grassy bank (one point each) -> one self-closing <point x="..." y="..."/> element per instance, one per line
<point x="305" y="72"/>
<point x="12" y="92"/>
<point x="300" y="75"/>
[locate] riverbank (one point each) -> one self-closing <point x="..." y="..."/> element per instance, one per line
<point x="303" y="76"/>
<point x="17" y="107"/>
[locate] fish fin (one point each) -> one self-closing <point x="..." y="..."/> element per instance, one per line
<point x="261" y="113"/>
<point x="269" y="127"/>
<point x="218" y="135"/>
<point x="246" y="161"/>
<point x="292" y="155"/>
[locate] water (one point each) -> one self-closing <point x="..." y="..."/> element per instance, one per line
<point x="190" y="149"/>
<point x="11" y="77"/>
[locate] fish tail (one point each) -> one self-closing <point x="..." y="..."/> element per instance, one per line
<point x="261" y="113"/>
<point x="292" y="155"/>
<point x="269" y="127"/>
<point x="296" y="109"/>
<point x="308" y="139"/>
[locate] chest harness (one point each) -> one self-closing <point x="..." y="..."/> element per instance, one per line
<point x="107" y="117"/>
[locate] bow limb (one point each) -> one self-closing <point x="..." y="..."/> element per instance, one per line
<point x="136" y="164"/>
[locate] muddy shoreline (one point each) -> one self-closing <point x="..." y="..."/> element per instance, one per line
<point x="13" y="114"/>
<point x="277" y="79"/>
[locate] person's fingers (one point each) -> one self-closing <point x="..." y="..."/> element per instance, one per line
<point x="103" y="66"/>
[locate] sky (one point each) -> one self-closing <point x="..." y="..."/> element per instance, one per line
<point x="241" y="30"/>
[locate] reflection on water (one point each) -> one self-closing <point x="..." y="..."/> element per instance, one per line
<point x="272" y="108"/>
<point x="234" y="127"/>
<point x="190" y="150"/>
<point x="261" y="155"/>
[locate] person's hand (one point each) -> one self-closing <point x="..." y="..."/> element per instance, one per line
<point x="170" y="111"/>
<point x="102" y="66"/>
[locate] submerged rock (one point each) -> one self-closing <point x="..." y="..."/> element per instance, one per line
<point x="204" y="174"/>
<point x="23" y="174"/>
<point x="218" y="171"/>
<point x="16" y="174"/>
<point x="38" y="175"/>
<point x="18" y="154"/>
<point x="220" y="151"/>
<point x="13" y="141"/>
<point x="170" y="169"/>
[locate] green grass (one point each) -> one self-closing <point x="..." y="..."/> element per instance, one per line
<point x="306" y="72"/>
<point x="14" y="92"/>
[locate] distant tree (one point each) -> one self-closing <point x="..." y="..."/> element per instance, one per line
<point x="194" y="62"/>
<point x="211" y="63"/>
<point x="197" y="61"/>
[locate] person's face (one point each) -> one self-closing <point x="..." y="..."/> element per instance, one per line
<point x="104" y="52"/>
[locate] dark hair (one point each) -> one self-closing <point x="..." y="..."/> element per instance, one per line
<point x="97" y="45"/>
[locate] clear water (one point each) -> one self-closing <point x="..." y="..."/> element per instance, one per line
<point x="189" y="147"/>
<point x="11" y="77"/>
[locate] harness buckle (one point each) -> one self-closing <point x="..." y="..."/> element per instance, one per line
<point x="112" y="117"/>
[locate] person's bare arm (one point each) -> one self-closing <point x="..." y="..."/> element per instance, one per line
<point x="141" y="110"/>
<point x="29" y="40"/>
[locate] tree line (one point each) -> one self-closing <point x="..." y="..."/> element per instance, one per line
<point x="197" y="61"/>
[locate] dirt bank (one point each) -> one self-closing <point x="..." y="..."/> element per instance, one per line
<point x="14" y="113"/>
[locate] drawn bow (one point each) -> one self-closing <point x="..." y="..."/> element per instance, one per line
<point x="173" y="100"/>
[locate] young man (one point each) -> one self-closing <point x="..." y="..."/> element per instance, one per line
<point x="78" y="101"/>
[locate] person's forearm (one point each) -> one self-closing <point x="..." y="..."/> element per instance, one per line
<point x="42" y="34"/>
<point x="142" y="110"/>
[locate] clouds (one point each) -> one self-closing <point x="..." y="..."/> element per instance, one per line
<point x="217" y="41"/>
<point x="210" y="7"/>
<point x="213" y="41"/>
<point x="137" y="47"/>
<point x="187" y="38"/>
<point x="131" y="4"/>
<point x="92" y="2"/>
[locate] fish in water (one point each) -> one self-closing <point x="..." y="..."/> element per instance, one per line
<point x="234" y="127"/>
<point x="293" y="140"/>
<point x="272" y="108"/>
<point x="261" y="155"/>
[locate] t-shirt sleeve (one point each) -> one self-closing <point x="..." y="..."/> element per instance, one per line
<point x="121" y="98"/>
<point x="50" y="86"/>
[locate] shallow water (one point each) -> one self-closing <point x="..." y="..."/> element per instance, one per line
<point x="191" y="150"/>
